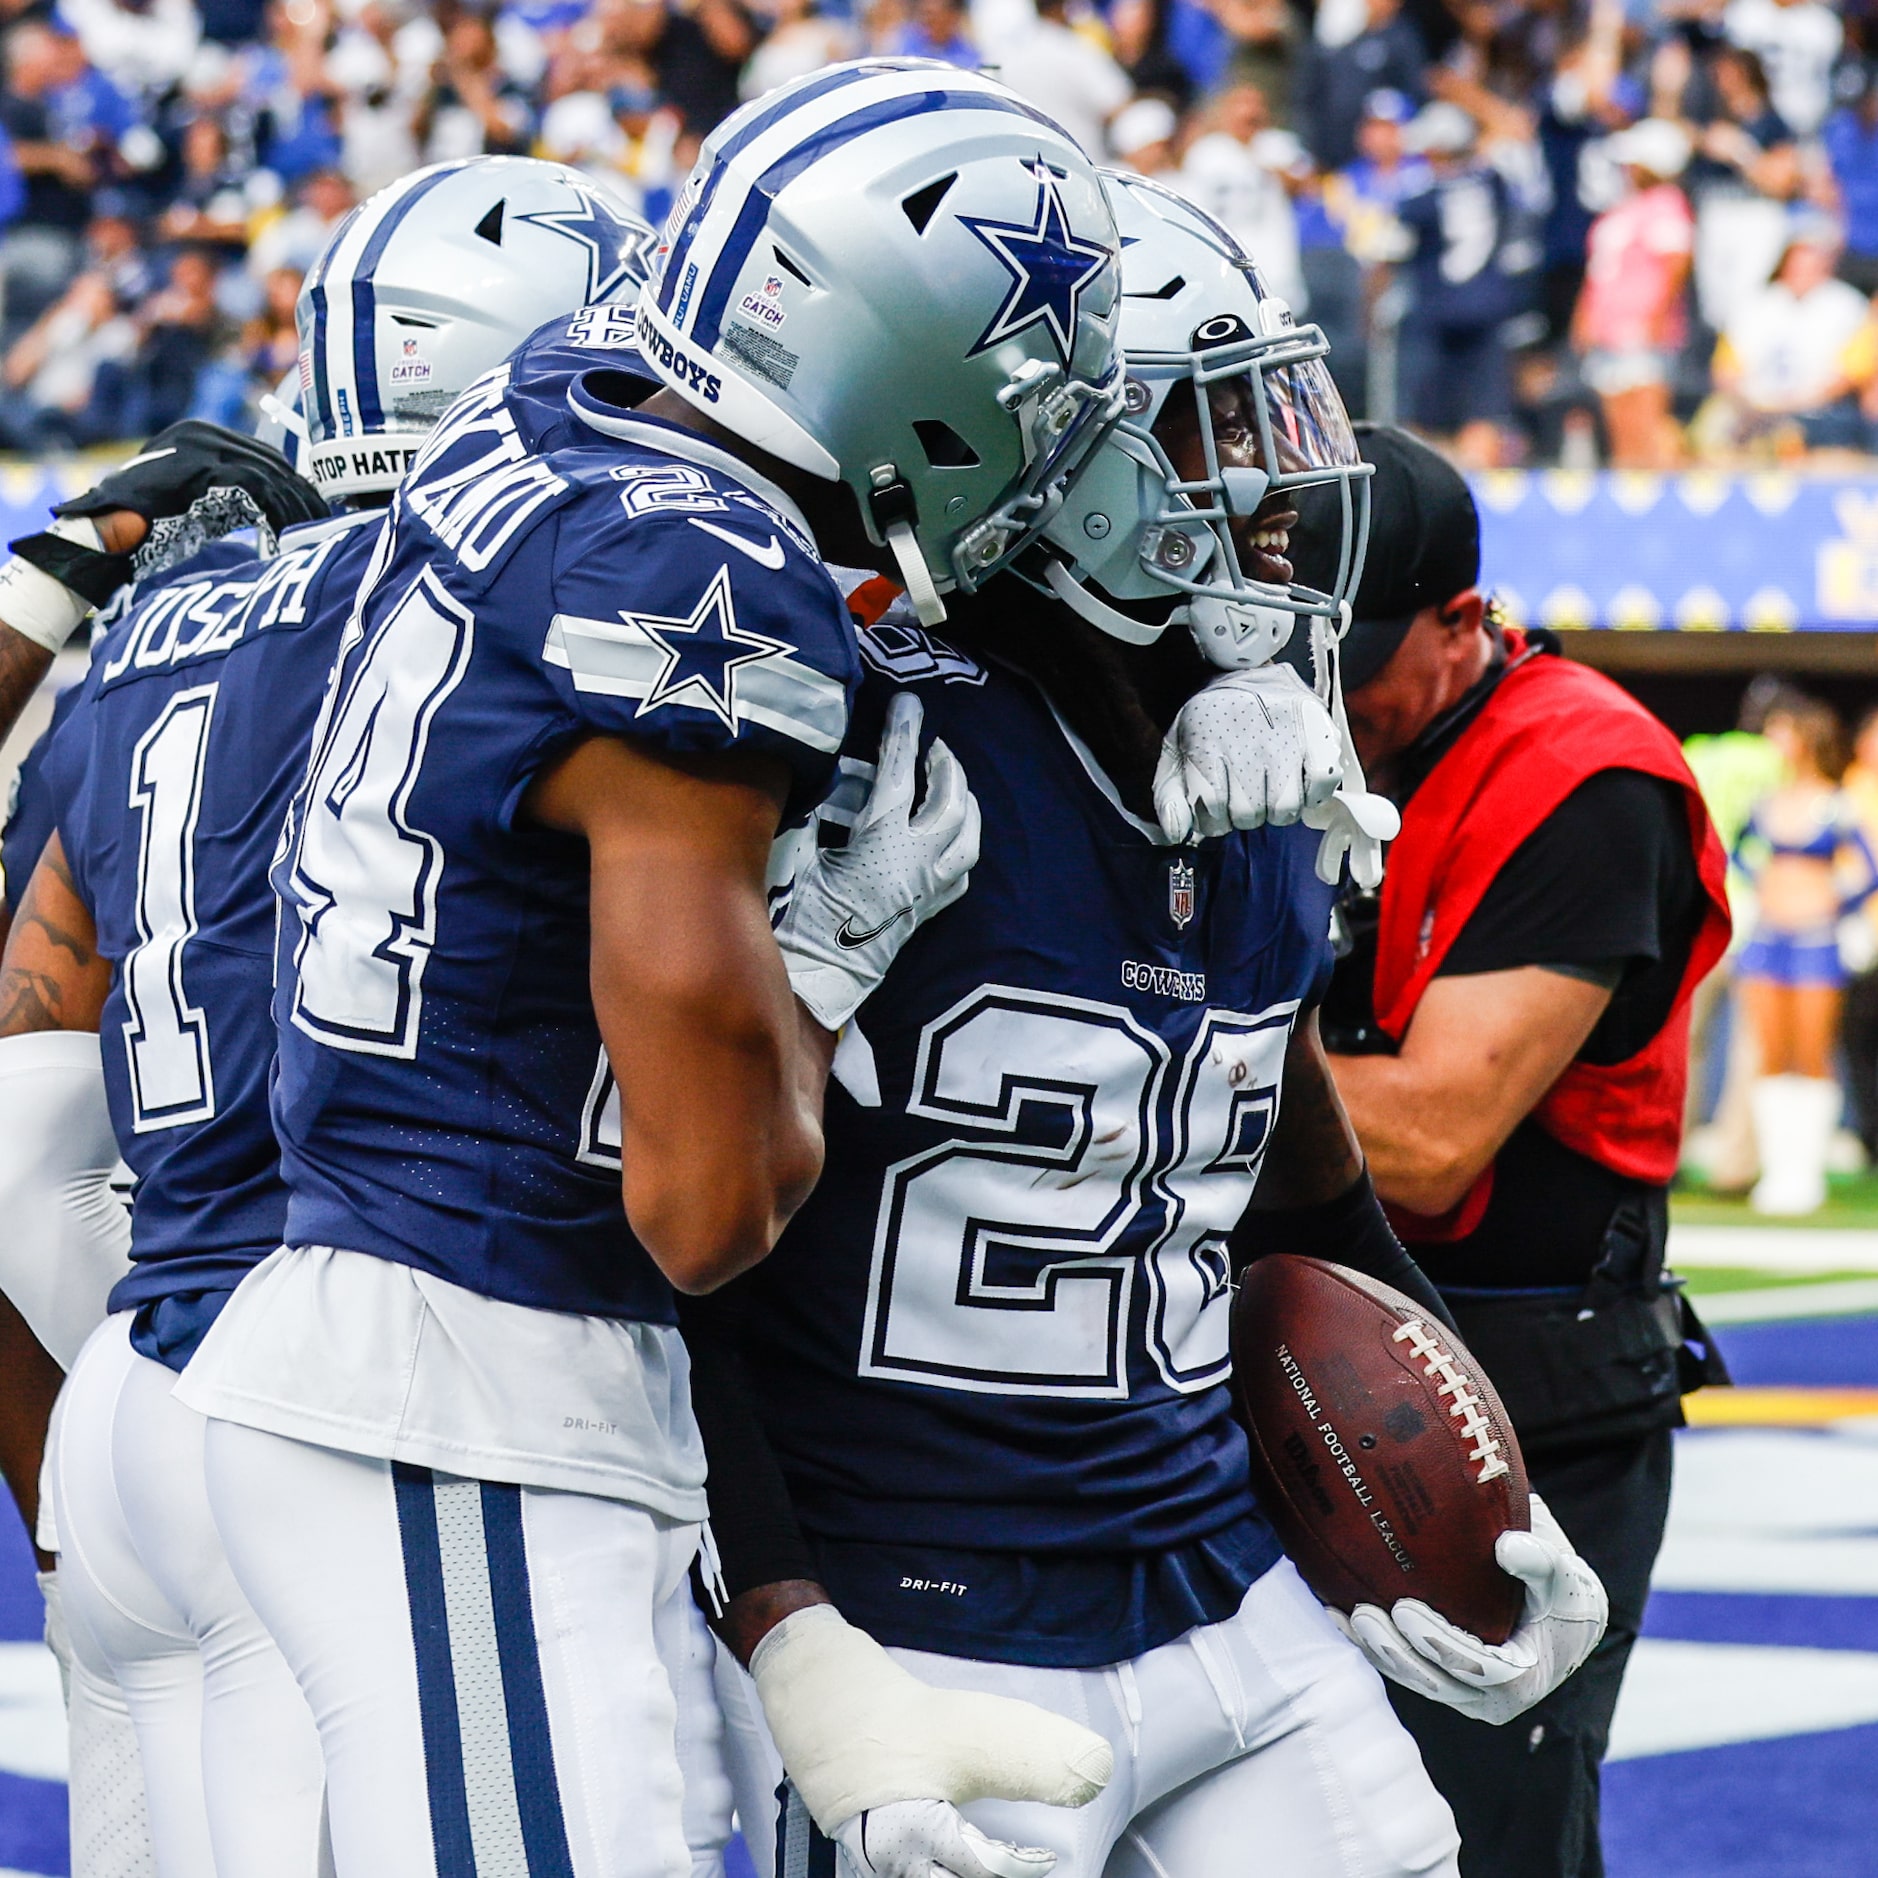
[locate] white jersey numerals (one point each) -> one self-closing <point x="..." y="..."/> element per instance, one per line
<point x="364" y="878"/>
<point x="994" y="1266"/>
<point x="165" y="1037"/>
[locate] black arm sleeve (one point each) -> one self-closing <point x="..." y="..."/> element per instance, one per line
<point x="753" y="1521"/>
<point x="1351" y="1230"/>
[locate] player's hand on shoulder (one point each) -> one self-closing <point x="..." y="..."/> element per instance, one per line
<point x="931" y="1839"/>
<point x="1248" y="748"/>
<point x="189" y="485"/>
<point x="1566" y="1611"/>
<point x="852" y="909"/>
<point x="860" y="1737"/>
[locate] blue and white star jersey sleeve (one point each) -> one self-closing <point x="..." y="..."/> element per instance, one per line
<point x="690" y="615"/>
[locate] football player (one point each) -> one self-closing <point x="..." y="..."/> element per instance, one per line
<point x="991" y="1350"/>
<point x="150" y="919"/>
<point x="595" y="663"/>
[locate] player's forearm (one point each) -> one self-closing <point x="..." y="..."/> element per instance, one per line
<point x="23" y="665"/>
<point x="1313" y="1155"/>
<point x="1424" y="1143"/>
<point x="722" y="1144"/>
<point x="52" y="976"/>
<point x="752" y="1615"/>
<point x="38" y="615"/>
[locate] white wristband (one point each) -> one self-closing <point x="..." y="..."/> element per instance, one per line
<point x="35" y="605"/>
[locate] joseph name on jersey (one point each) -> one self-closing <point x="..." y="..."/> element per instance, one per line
<point x="992" y="1346"/>
<point x="555" y="567"/>
<point x="168" y="780"/>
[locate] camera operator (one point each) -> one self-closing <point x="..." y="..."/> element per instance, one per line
<point x="1509" y="1031"/>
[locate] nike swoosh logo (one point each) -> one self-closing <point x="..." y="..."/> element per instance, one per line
<point x="850" y="941"/>
<point x="149" y="456"/>
<point x="770" y="557"/>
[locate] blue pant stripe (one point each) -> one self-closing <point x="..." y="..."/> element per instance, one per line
<point x="802" y="1849"/>
<point x="436" y="1679"/>
<point x="531" y="1749"/>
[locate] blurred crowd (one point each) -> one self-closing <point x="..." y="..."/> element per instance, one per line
<point x="1634" y="232"/>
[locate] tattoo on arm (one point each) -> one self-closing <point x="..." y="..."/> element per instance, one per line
<point x="22" y="665"/>
<point x="52" y="976"/>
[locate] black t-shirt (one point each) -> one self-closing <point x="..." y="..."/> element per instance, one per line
<point x="1606" y="887"/>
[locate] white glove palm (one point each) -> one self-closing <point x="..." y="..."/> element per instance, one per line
<point x="853" y="908"/>
<point x="1248" y="748"/>
<point x="858" y="1735"/>
<point x="1566" y="1611"/>
<point x="931" y="1839"/>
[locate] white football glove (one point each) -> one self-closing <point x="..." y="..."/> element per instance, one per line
<point x="853" y="908"/>
<point x="1356" y="823"/>
<point x="858" y="1735"/>
<point x="1566" y="1611"/>
<point x="931" y="1839"/>
<point x="1249" y="747"/>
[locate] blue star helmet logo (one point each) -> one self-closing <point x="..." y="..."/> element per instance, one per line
<point x="1048" y="265"/>
<point x="610" y="239"/>
<point x="703" y="653"/>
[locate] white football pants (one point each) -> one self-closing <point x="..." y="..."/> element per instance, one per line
<point x="1261" y="1747"/>
<point x="231" y="1763"/>
<point x="481" y="1660"/>
<point x="110" y="1829"/>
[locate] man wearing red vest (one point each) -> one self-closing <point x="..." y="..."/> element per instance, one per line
<point x="1509" y="1030"/>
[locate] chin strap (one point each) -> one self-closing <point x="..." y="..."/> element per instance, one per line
<point x="915" y="575"/>
<point x="1086" y="606"/>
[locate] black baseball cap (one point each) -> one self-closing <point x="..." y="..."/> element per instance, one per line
<point x="1424" y="545"/>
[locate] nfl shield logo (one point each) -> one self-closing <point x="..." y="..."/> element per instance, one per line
<point x="1180" y="893"/>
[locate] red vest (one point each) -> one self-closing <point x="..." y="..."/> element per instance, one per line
<point x="1548" y="726"/>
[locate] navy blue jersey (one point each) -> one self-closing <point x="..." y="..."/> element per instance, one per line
<point x="171" y="778"/>
<point x="555" y="568"/>
<point x="36" y="802"/>
<point x="992" y="1346"/>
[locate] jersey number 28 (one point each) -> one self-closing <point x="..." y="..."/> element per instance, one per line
<point x="1006" y="1260"/>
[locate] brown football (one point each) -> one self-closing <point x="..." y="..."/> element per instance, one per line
<point x="1380" y="1452"/>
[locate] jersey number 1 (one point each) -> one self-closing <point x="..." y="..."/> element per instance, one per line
<point x="166" y="1038"/>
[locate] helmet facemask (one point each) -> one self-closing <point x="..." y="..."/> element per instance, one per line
<point x="1217" y="442"/>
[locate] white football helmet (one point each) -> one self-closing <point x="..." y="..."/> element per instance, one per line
<point x="900" y="275"/>
<point x="1208" y="345"/>
<point x="436" y="279"/>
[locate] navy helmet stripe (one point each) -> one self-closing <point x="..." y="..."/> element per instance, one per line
<point x="436" y="1677"/>
<point x="322" y="386"/>
<point x="531" y="1750"/>
<point x="760" y="120"/>
<point x="754" y="215"/>
<point x="365" y="297"/>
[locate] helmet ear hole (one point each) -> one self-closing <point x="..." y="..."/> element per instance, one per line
<point x="490" y="227"/>
<point x="919" y="206"/>
<point x="788" y="266"/>
<point x="944" y="447"/>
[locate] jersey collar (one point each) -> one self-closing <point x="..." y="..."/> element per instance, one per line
<point x="1095" y="772"/>
<point x="671" y="440"/>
